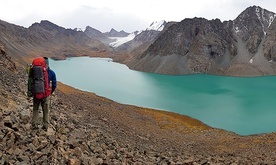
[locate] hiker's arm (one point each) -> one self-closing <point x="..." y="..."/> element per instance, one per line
<point x="54" y="81"/>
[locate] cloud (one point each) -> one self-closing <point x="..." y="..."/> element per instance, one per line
<point x="29" y="11"/>
<point x="102" y="19"/>
<point x="122" y="14"/>
<point x="71" y="15"/>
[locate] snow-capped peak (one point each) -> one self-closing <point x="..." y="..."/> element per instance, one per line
<point x="121" y="40"/>
<point x="157" y="25"/>
<point x="78" y="29"/>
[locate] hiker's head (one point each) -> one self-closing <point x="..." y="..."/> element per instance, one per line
<point x="47" y="60"/>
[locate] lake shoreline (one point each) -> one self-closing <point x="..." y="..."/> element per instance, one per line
<point x="213" y="92"/>
<point x="58" y="58"/>
<point x="170" y="133"/>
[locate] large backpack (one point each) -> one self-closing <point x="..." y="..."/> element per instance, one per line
<point x="40" y="86"/>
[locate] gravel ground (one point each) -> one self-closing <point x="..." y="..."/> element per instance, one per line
<point x="88" y="129"/>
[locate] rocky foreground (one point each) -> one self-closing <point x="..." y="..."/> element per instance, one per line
<point x="88" y="129"/>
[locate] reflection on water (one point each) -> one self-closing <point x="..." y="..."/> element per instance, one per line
<point x="241" y="105"/>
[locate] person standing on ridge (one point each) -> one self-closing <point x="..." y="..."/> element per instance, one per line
<point x="41" y="84"/>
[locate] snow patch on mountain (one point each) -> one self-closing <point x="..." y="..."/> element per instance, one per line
<point x="237" y="30"/>
<point x="271" y="19"/>
<point x="157" y="25"/>
<point x="78" y="29"/>
<point x="121" y="40"/>
<point x="260" y="15"/>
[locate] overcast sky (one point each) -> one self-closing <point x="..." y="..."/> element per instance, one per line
<point x="124" y="15"/>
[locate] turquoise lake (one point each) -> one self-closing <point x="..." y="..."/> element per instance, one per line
<point x="242" y="105"/>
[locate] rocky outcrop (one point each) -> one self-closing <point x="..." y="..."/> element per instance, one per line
<point x="210" y="46"/>
<point x="6" y="60"/>
<point x="252" y="26"/>
<point x="187" y="47"/>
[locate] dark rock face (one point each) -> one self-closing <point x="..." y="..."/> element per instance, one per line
<point x="193" y="40"/>
<point x="252" y="25"/>
<point x="270" y="44"/>
<point x="211" y="46"/>
<point x="197" y="35"/>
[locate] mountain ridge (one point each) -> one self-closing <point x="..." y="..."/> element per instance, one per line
<point x="194" y="45"/>
<point x="47" y="39"/>
<point x="199" y="45"/>
<point x="115" y="39"/>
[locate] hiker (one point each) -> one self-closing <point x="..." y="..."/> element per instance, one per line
<point x="41" y="84"/>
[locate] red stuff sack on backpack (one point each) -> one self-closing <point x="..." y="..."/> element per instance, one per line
<point x="39" y="73"/>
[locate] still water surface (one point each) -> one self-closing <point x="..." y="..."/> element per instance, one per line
<point x="242" y="105"/>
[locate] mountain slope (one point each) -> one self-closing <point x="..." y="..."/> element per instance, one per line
<point x="210" y="46"/>
<point x="47" y="39"/>
<point x="140" y="42"/>
<point x="96" y="34"/>
<point x="144" y="37"/>
<point x="186" y="47"/>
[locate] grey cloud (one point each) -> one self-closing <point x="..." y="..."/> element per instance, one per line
<point x="103" y="19"/>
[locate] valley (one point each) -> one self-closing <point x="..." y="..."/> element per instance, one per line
<point x="90" y="129"/>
